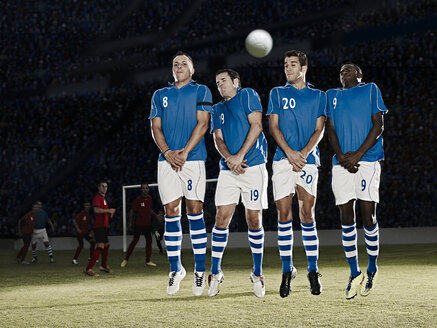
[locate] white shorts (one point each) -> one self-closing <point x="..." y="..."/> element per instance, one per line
<point x="190" y="182"/>
<point x="39" y="234"/>
<point x="363" y="185"/>
<point x="251" y="185"/>
<point x="285" y="179"/>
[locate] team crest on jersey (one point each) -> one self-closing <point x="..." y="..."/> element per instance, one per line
<point x="84" y="218"/>
<point x="143" y="205"/>
<point x="104" y="202"/>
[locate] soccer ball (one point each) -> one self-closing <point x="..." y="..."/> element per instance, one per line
<point x="259" y="43"/>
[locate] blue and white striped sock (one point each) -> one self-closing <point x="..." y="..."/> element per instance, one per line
<point x="311" y="244"/>
<point x="349" y="239"/>
<point x="173" y="241"/>
<point x="285" y="244"/>
<point x="198" y="240"/>
<point x="256" y="242"/>
<point x="49" y="251"/>
<point x="218" y="245"/>
<point x="372" y="245"/>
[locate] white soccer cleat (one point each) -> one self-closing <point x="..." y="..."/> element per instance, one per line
<point x="75" y="261"/>
<point x="354" y="286"/>
<point x="214" y="281"/>
<point x="174" y="280"/>
<point x="198" y="283"/>
<point x="259" y="287"/>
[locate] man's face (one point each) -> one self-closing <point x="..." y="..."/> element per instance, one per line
<point x="144" y="190"/>
<point x="225" y="85"/>
<point x="182" y="68"/>
<point x="349" y="75"/>
<point x="103" y="187"/>
<point x="36" y="208"/>
<point x="87" y="207"/>
<point x="292" y="69"/>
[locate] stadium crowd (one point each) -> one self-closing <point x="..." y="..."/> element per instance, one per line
<point x="42" y="135"/>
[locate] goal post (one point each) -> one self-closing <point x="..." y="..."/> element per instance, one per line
<point x="124" y="188"/>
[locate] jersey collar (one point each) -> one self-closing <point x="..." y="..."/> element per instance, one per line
<point x="171" y="84"/>
<point x="358" y="85"/>
<point x="288" y="84"/>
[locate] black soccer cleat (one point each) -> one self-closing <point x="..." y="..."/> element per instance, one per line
<point x="315" y="285"/>
<point x="287" y="277"/>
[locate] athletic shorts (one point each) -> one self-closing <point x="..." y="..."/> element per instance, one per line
<point x="27" y="237"/>
<point x="285" y="179"/>
<point x="190" y="182"/>
<point x="363" y="185"/>
<point x="101" y="235"/>
<point x="39" y="234"/>
<point x="250" y="185"/>
<point x="143" y="230"/>
<point x="86" y="236"/>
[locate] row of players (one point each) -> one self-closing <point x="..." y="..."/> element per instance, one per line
<point x="180" y="115"/>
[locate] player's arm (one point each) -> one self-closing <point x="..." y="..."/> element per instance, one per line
<point x="295" y="158"/>
<point x="99" y="210"/>
<point x="256" y="127"/>
<point x="159" y="138"/>
<point x="335" y="144"/>
<point x="199" y="131"/>
<point x="76" y="226"/>
<point x="131" y="218"/>
<point x="19" y="226"/>
<point x="223" y="150"/>
<point x="316" y="136"/>
<point x="374" y="133"/>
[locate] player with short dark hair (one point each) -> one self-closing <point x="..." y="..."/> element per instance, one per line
<point x="102" y="214"/>
<point x="40" y="233"/>
<point x="25" y="230"/>
<point x="297" y="120"/>
<point x="141" y="208"/>
<point x="81" y="223"/>
<point x="179" y="119"/>
<point x="355" y="124"/>
<point x="237" y="129"/>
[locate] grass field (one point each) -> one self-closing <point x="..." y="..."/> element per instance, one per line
<point x="60" y="295"/>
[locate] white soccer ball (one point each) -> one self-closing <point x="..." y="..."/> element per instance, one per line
<point x="259" y="43"/>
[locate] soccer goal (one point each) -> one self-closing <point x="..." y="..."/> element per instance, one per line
<point x="124" y="188"/>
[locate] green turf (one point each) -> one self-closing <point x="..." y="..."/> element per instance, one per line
<point x="60" y="295"/>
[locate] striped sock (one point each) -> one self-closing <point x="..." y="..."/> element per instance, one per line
<point x="35" y="256"/>
<point x="173" y="241"/>
<point x="349" y="239"/>
<point x="372" y="246"/>
<point x="285" y="244"/>
<point x="49" y="250"/>
<point x="198" y="240"/>
<point x="218" y="245"/>
<point x="311" y="244"/>
<point x="256" y="242"/>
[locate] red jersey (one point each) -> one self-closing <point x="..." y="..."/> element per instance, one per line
<point x="28" y="222"/>
<point x="141" y="207"/>
<point x="102" y="220"/>
<point x="83" y="221"/>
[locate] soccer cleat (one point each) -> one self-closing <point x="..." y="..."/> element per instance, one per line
<point x="52" y="260"/>
<point x="25" y="262"/>
<point x="75" y="261"/>
<point x="198" y="283"/>
<point x="34" y="260"/>
<point x="106" y="270"/>
<point x="175" y="277"/>
<point x="214" y="281"/>
<point x="353" y="286"/>
<point x="285" y="288"/>
<point x="150" y="263"/>
<point x="367" y="287"/>
<point x="259" y="287"/>
<point x="124" y="263"/>
<point x="315" y="285"/>
<point x="90" y="273"/>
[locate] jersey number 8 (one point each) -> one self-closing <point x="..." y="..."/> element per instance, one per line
<point x="165" y="102"/>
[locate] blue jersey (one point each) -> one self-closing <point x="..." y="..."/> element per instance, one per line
<point x="298" y="112"/>
<point x="177" y="108"/>
<point x="351" y="112"/>
<point x="231" y="118"/>
<point x="41" y="219"/>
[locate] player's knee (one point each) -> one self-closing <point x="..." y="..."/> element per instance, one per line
<point x="284" y="216"/>
<point x="80" y="244"/>
<point x="306" y="215"/>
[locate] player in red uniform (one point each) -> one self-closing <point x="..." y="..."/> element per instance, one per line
<point x="25" y="230"/>
<point x="102" y="213"/>
<point x="141" y="207"/>
<point x="81" y="223"/>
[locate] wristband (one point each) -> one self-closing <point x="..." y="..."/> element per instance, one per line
<point x="163" y="154"/>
